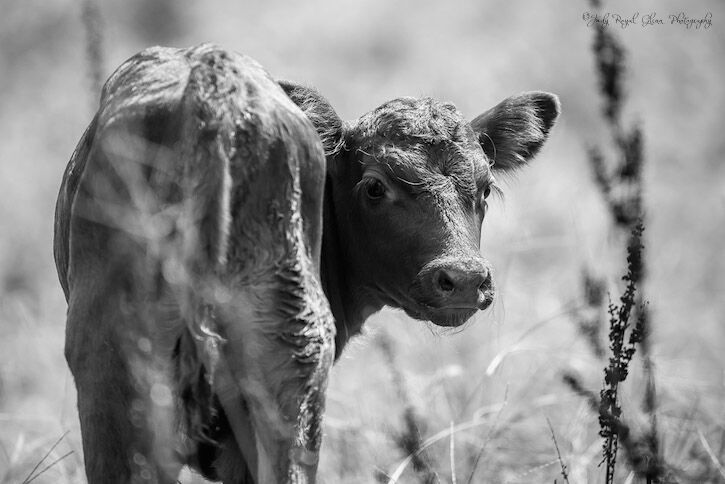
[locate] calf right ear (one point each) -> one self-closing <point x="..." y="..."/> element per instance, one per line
<point x="319" y="111"/>
<point x="513" y="131"/>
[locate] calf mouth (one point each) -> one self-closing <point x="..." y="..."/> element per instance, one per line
<point x="431" y="308"/>
<point x="446" y="317"/>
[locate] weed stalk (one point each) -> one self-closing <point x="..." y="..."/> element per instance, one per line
<point x="621" y="187"/>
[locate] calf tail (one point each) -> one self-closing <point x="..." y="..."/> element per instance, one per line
<point x="206" y="143"/>
<point x="205" y="147"/>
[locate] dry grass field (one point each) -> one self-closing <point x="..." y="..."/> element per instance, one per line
<point x="485" y="399"/>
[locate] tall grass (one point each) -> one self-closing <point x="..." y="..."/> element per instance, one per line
<point x="408" y="438"/>
<point x="92" y="21"/>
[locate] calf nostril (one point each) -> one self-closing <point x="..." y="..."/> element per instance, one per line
<point x="445" y="282"/>
<point x="485" y="281"/>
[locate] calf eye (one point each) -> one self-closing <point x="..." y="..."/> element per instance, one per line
<point x="486" y="192"/>
<point x="375" y="189"/>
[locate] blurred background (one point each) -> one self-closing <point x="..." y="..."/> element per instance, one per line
<point x="497" y="380"/>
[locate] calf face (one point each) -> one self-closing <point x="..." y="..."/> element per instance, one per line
<point x="410" y="182"/>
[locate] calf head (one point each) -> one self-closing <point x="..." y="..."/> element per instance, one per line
<point x="408" y="184"/>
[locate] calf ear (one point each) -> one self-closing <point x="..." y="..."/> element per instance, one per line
<point x="319" y="111"/>
<point x="513" y="131"/>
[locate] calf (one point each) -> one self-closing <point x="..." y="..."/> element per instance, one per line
<point x="220" y="236"/>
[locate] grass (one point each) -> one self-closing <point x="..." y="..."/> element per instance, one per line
<point x="39" y="459"/>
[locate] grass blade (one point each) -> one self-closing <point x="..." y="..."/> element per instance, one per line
<point x="710" y="453"/>
<point x="48" y="467"/>
<point x="453" y="456"/>
<point x="558" y="454"/>
<point x="30" y="476"/>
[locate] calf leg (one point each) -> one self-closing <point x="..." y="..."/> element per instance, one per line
<point x="231" y="466"/>
<point x="127" y="416"/>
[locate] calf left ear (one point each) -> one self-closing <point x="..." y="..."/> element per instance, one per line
<point x="512" y="132"/>
<point x="319" y="111"/>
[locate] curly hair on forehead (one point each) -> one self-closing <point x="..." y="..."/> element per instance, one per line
<point x="420" y="120"/>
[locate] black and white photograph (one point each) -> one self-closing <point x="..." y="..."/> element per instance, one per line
<point x="386" y="242"/>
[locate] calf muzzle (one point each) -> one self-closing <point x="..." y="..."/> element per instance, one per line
<point x="462" y="288"/>
<point x="449" y="291"/>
